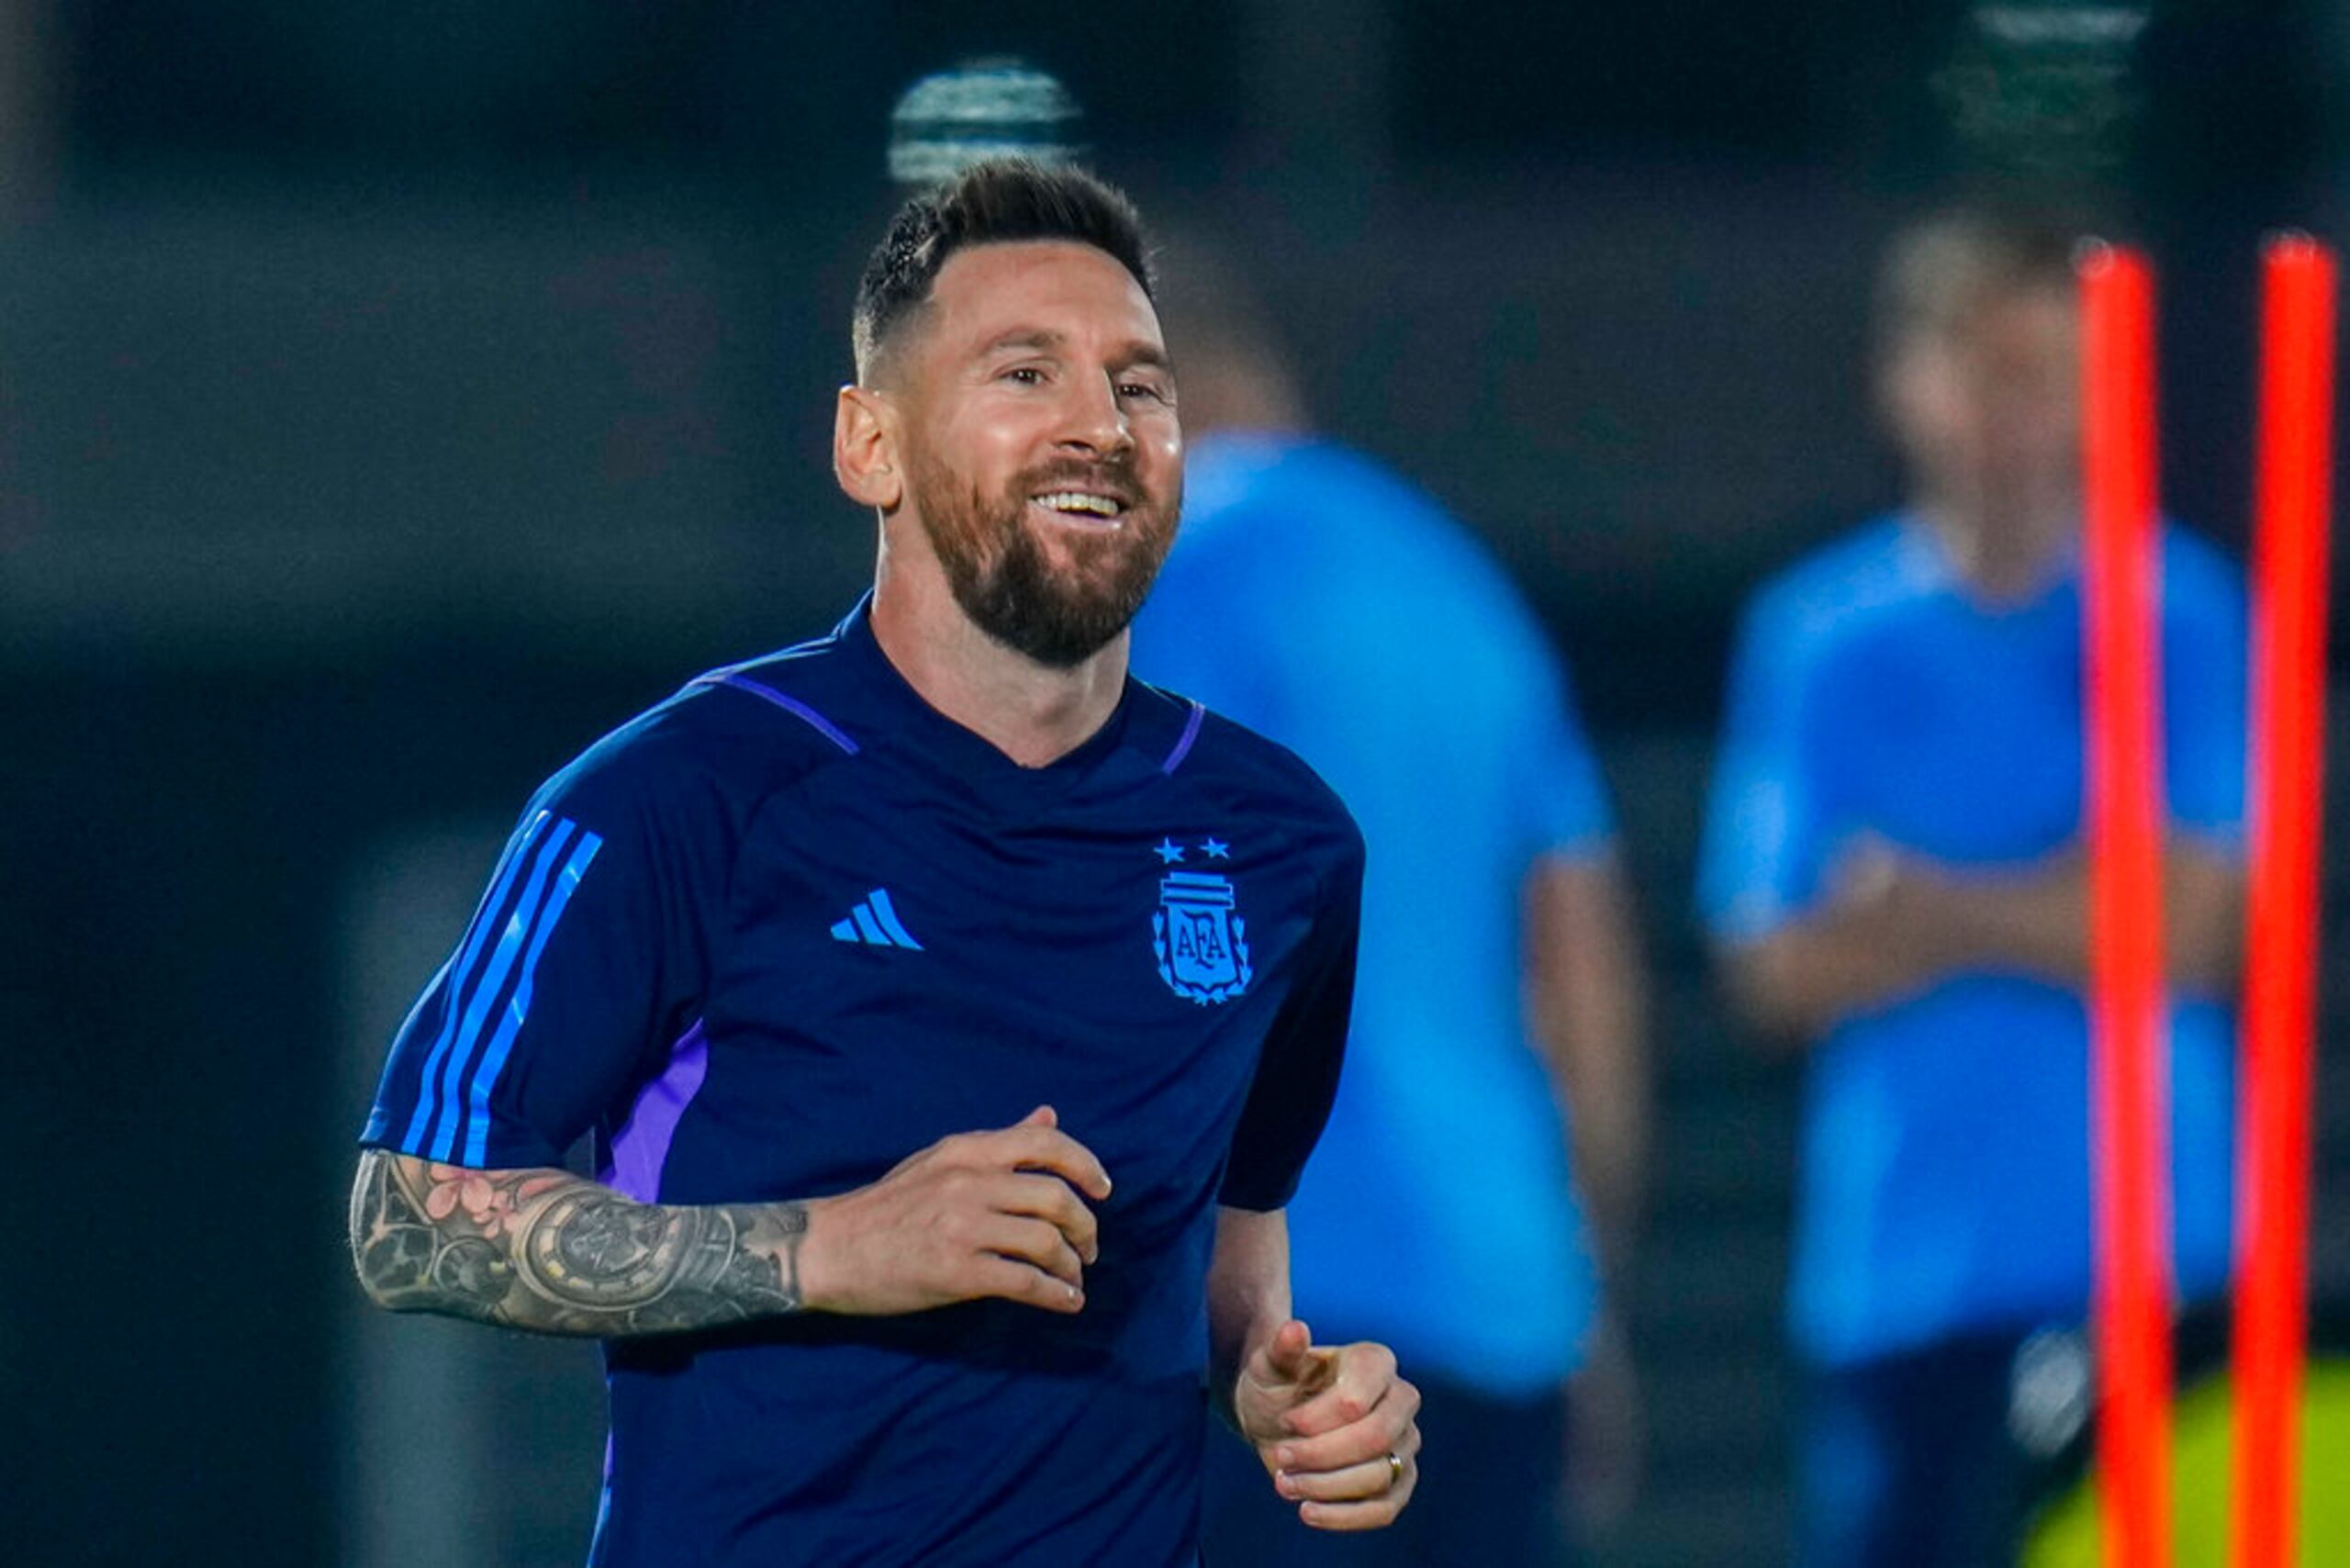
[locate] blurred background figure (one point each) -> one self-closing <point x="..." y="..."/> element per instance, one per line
<point x="995" y="105"/>
<point x="1894" y="872"/>
<point x="1317" y="596"/>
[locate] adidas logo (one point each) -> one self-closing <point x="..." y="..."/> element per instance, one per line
<point x="874" y="923"/>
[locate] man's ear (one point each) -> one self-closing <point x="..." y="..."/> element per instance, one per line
<point x="866" y="459"/>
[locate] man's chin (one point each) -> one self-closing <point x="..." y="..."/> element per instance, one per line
<point x="1056" y="593"/>
<point x="1059" y="635"/>
<point x="1053" y="648"/>
<point x="1091" y="550"/>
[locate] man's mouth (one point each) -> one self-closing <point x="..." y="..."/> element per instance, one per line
<point x="1090" y="507"/>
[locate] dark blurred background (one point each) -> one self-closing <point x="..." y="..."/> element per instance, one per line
<point x="393" y="398"/>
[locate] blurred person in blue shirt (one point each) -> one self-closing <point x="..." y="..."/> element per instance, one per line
<point x="1500" y="994"/>
<point x="1895" y="873"/>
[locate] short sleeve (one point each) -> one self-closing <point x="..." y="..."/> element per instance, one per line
<point x="1759" y="861"/>
<point x="2204" y="660"/>
<point x="579" y="965"/>
<point x="1561" y="798"/>
<point x="1297" y="1073"/>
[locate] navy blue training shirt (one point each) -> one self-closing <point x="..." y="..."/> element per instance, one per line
<point x="793" y="925"/>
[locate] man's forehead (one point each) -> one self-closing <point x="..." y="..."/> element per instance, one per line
<point x="1047" y="288"/>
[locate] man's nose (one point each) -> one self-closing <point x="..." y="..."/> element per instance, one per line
<point x="1093" y="419"/>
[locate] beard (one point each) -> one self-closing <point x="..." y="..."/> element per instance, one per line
<point x="998" y="568"/>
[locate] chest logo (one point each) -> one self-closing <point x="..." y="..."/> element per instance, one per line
<point x="1200" y="939"/>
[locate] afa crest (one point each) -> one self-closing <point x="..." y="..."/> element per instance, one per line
<point x="1201" y="940"/>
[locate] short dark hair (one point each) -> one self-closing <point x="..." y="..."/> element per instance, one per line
<point x="994" y="201"/>
<point x="1939" y="272"/>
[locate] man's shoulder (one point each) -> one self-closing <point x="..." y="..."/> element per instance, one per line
<point x="1858" y="579"/>
<point x="728" y="737"/>
<point x="1319" y="492"/>
<point x="1381" y="552"/>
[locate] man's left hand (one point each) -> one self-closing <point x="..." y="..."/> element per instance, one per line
<point x="1335" y="1424"/>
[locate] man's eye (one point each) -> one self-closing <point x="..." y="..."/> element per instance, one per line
<point x="1025" y="375"/>
<point x="1149" y="390"/>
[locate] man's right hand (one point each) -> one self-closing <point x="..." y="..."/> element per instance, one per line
<point x="978" y="1215"/>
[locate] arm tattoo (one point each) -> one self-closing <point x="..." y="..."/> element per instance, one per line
<point x="555" y="1253"/>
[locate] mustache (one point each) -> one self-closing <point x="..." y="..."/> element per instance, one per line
<point x="1114" y="476"/>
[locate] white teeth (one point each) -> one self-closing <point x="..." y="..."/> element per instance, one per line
<point x="1079" y="501"/>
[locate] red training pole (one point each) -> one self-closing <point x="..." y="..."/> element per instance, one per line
<point x="2131" y="1305"/>
<point x="2292" y="504"/>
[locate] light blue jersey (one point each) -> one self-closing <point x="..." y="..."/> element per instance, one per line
<point x="1944" y="1184"/>
<point x="1320" y="600"/>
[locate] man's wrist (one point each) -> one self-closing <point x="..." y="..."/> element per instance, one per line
<point x="1257" y="1337"/>
<point x="788" y="1223"/>
<point x="1228" y="1363"/>
<point x="807" y="1250"/>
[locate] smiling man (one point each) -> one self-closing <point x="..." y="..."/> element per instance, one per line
<point x="950" y="1014"/>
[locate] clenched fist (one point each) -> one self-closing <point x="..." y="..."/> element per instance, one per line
<point x="1336" y="1425"/>
<point x="978" y="1215"/>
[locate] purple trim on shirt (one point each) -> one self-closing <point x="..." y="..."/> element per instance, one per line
<point x="791" y="705"/>
<point x="1183" y="747"/>
<point x="642" y="1146"/>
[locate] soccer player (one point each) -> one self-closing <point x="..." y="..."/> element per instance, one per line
<point x="1893" y="871"/>
<point x="952" y="1014"/>
<point x="1501" y="995"/>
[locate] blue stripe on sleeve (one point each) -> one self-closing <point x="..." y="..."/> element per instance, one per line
<point x="512" y="935"/>
<point x="453" y="978"/>
<point x="493" y="1061"/>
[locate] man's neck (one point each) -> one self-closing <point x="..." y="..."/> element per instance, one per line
<point x="1033" y="713"/>
<point x="2005" y="552"/>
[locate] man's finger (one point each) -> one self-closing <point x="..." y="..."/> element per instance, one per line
<point x="1286" y="1358"/>
<point x="1362" y="1377"/>
<point x="1051" y="1199"/>
<point x="1381" y="1430"/>
<point x="1372" y="1478"/>
<point x="1036" y="1147"/>
<point x="1375" y="1513"/>
<point x="1036" y="1241"/>
<point x="994" y="1276"/>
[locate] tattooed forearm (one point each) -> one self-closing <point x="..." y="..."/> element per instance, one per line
<point x="553" y="1252"/>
